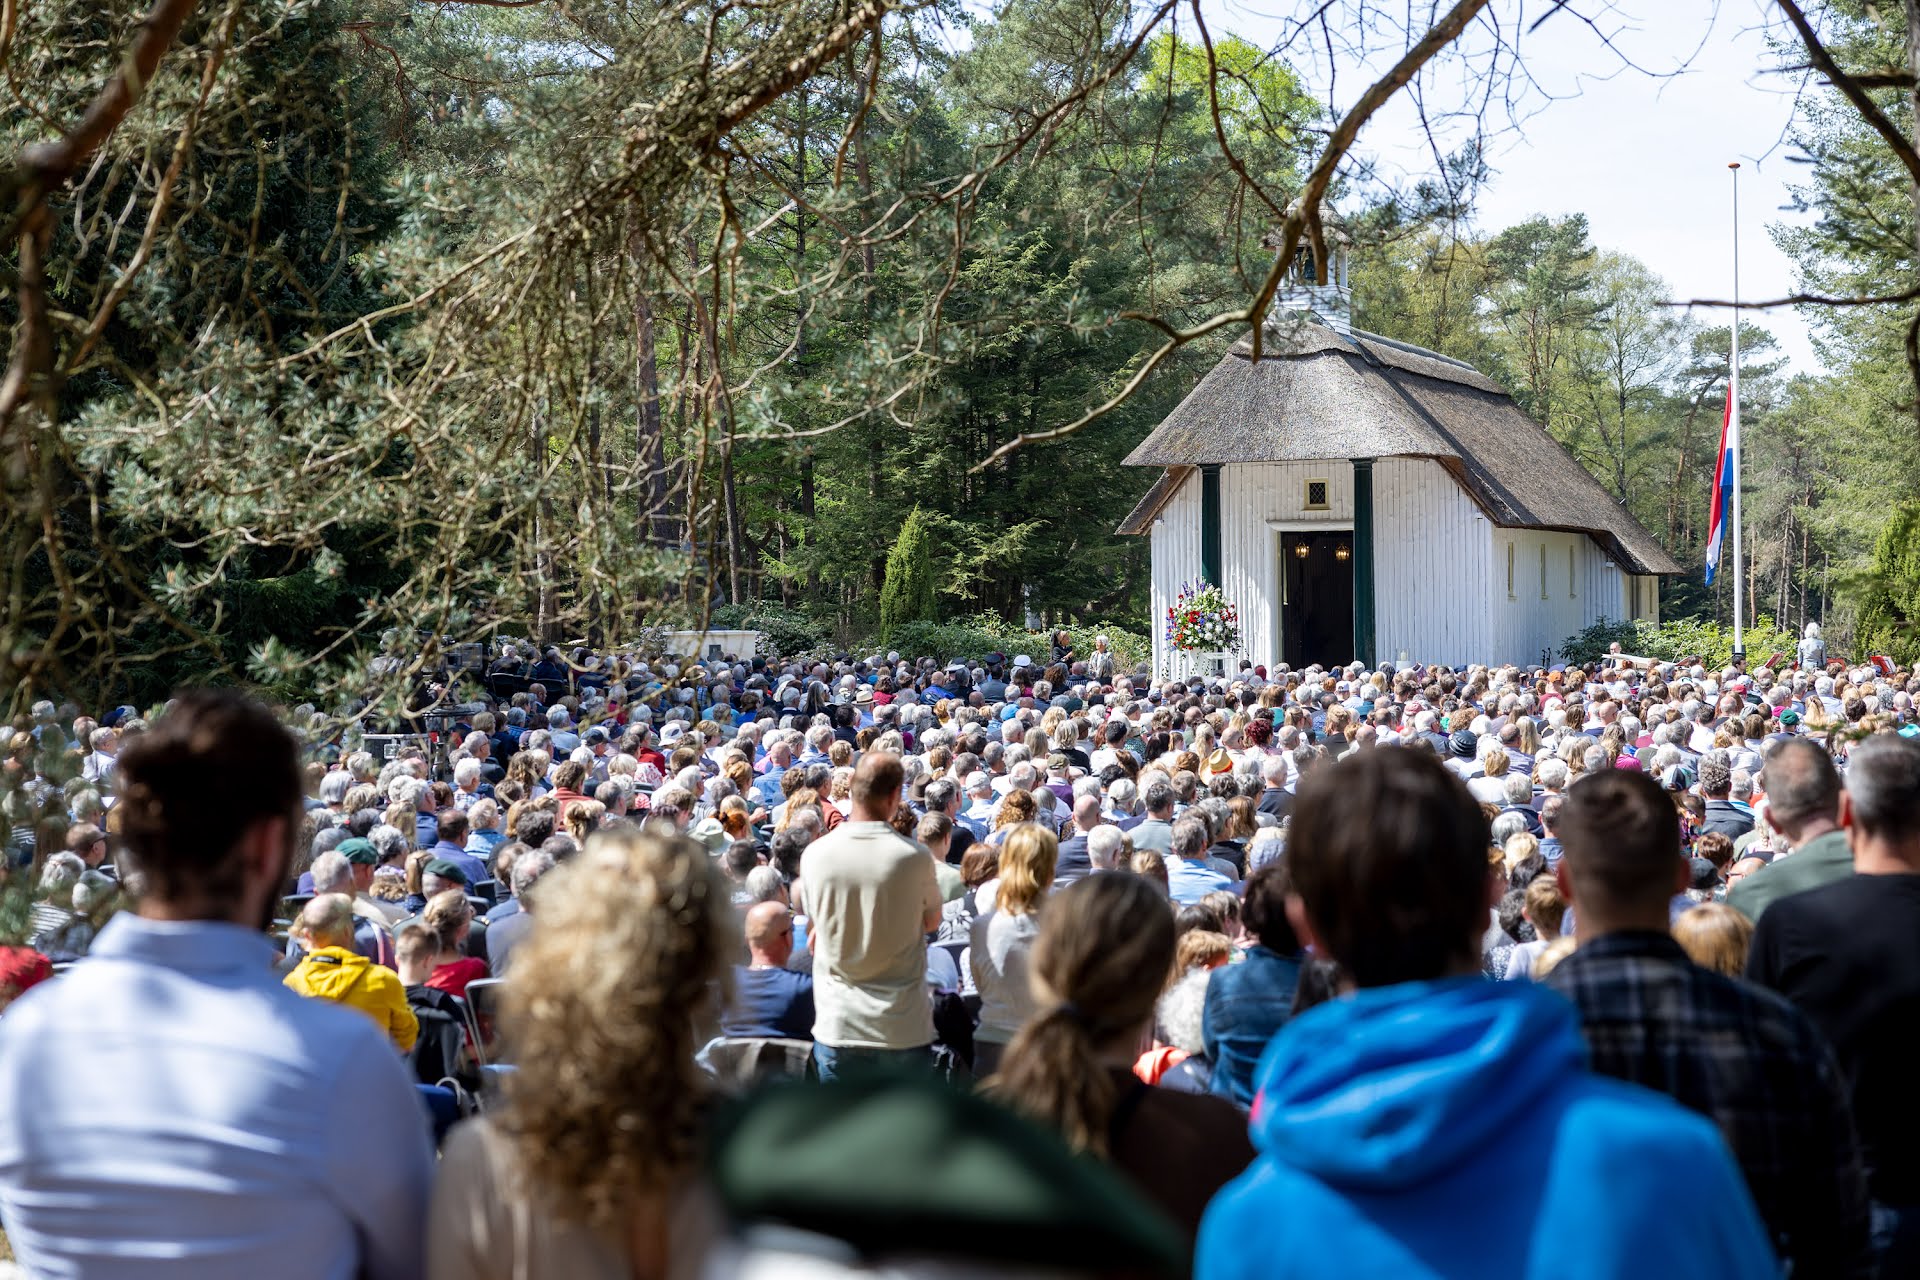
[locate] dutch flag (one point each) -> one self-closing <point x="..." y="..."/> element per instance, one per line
<point x="1722" y="493"/>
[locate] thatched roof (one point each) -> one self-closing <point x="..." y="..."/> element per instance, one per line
<point x="1141" y="518"/>
<point x="1314" y="394"/>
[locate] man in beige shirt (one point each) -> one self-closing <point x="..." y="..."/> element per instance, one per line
<point x="872" y="899"/>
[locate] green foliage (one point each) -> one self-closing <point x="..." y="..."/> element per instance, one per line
<point x="968" y="638"/>
<point x="789" y="632"/>
<point x="907" y="593"/>
<point x="1890" y="609"/>
<point x="975" y="637"/>
<point x="1693" y="639"/>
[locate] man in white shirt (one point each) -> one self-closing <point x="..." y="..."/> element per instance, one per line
<point x="97" y="766"/>
<point x="982" y="804"/>
<point x="871" y="901"/>
<point x="175" y="1111"/>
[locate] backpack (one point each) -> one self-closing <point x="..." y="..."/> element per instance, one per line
<point x="439" y="1052"/>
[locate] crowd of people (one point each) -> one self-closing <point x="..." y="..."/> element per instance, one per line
<point x="658" y="967"/>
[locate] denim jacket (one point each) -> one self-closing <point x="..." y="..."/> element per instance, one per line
<point x="1246" y="1003"/>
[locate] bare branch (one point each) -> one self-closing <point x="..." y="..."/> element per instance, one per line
<point x="1304" y="210"/>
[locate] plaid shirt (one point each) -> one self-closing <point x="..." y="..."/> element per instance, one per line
<point x="1752" y="1063"/>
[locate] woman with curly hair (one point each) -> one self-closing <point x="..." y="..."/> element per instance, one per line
<point x="1018" y="807"/>
<point x="1097" y="970"/>
<point x="590" y="1170"/>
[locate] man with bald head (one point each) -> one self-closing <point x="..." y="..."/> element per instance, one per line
<point x="333" y="970"/>
<point x="1075" y="860"/>
<point x="769" y="1000"/>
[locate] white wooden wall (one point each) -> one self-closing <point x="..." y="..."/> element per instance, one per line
<point x="1530" y="611"/>
<point x="1175" y="540"/>
<point x="1431" y="566"/>
<point x="1440" y="566"/>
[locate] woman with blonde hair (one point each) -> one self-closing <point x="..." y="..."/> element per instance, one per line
<point x="590" y="1171"/>
<point x="449" y="918"/>
<point x="1715" y="936"/>
<point x="1001" y="939"/>
<point x="1526" y="746"/>
<point x="582" y="818"/>
<point x="1097" y="968"/>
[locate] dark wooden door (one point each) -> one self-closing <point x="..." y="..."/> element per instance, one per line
<point x="1316" y="614"/>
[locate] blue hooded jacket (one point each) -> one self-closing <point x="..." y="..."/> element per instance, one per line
<point x="1452" y="1129"/>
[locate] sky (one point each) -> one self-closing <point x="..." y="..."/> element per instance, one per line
<point x="1642" y="152"/>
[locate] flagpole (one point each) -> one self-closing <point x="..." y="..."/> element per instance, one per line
<point x="1733" y="433"/>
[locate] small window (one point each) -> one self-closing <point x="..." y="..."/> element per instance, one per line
<point x="1510" y="594"/>
<point x="1572" y="592"/>
<point x="1543" y="571"/>
<point x="1316" y="495"/>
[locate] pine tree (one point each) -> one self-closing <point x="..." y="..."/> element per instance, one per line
<point x="907" y="593"/>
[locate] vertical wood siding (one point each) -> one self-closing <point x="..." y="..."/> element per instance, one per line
<point x="1432" y="565"/>
<point x="1175" y="539"/>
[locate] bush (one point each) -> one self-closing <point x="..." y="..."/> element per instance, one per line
<point x="968" y="638"/>
<point x="976" y="637"/>
<point x="1130" y="648"/>
<point x="1671" y="641"/>
<point x="789" y="632"/>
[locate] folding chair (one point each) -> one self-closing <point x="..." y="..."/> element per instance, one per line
<point x="740" y="1062"/>
<point x="483" y="1005"/>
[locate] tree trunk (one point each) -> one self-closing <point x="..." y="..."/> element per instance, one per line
<point x="653" y="523"/>
<point x="733" y="513"/>
<point x="543" y="602"/>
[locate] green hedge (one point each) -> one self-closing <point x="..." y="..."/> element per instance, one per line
<point x="790" y="632"/>
<point x="1679" y="638"/>
<point x="793" y="633"/>
<point x="974" y="638"/>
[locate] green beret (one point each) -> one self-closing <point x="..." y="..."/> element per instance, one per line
<point x="359" y="851"/>
<point x="446" y="871"/>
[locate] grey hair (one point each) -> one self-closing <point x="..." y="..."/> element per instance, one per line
<point x="1189" y="838"/>
<point x="1214" y="812"/>
<point x="61" y="872"/>
<point x="466" y="771"/>
<point x="763" y="884"/>
<point x="1178" y="1014"/>
<point x="1104" y="845"/>
<point x="332" y="873"/>
<point x="334" y="787"/>
<point x="1519" y="788"/>
<point x="389" y="842"/>
<point x="527" y="868"/>
<point x="1508" y="825"/>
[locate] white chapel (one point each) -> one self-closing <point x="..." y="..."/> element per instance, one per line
<point x="1360" y="498"/>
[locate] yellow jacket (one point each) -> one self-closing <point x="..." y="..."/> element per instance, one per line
<point x="349" y="978"/>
